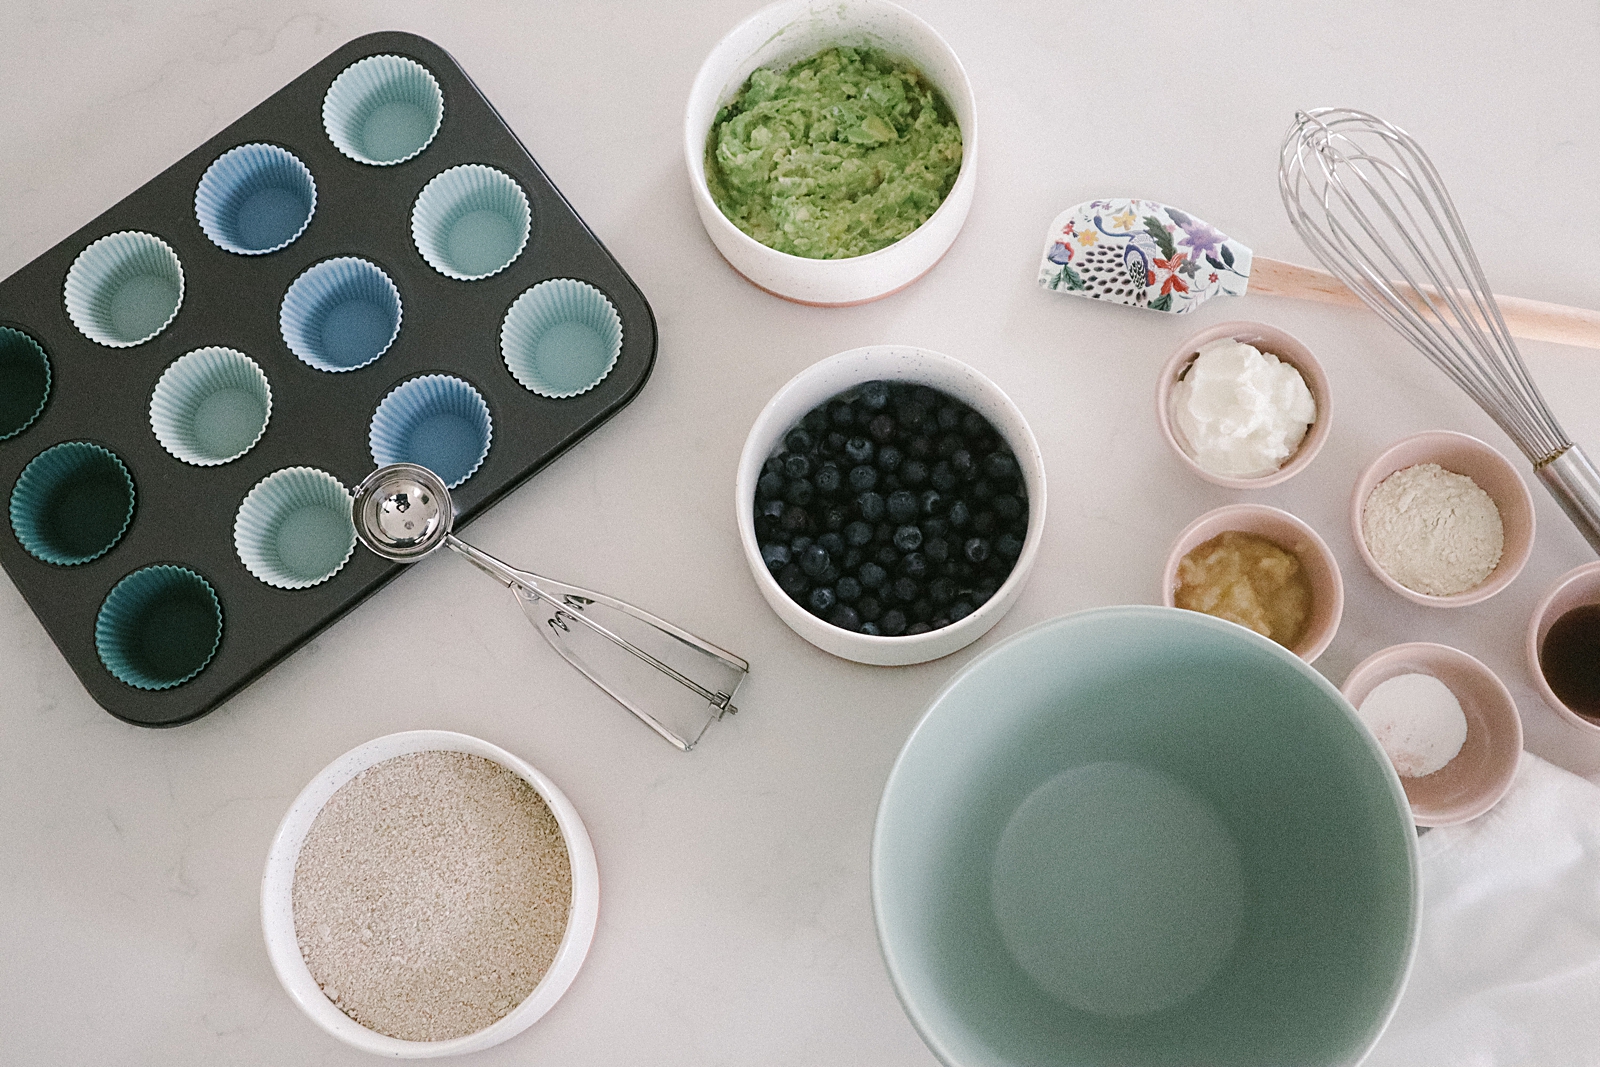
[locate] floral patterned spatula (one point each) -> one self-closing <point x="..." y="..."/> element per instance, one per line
<point x="1150" y="255"/>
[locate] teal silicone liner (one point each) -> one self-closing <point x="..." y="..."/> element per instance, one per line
<point x="72" y="503"/>
<point x="24" y="381"/>
<point x="255" y="199"/>
<point x="124" y="289"/>
<point x="561" y="338"/>
<point x="471" y="222"/>
<point x="383" y="110"/>
<point x="293" y="530"/>
<point x="341" y="314"/>
<point x="437" y="421"/>
<point x="158" y="627"/>
<point x="211" y="406"/>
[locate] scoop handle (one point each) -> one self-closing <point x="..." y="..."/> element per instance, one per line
<point x="1529" y="320"/>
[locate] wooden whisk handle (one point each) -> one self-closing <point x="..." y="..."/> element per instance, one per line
<point x="1530" y="320"/>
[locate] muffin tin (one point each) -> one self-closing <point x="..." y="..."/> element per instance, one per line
<point x="290" y="271"/>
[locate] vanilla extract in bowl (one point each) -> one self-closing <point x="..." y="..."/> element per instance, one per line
<point x="1570" y="659"/>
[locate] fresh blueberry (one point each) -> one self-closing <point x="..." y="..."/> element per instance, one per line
<point x="959" y="515"/>
<point x="999" y="467"/>
<point x="773" y="465"/>
<point x="914" y="565"/>
<point x="828" y="479"/>
<point x="948" y="446"/>
<point x="799" y="440"/>
<point x="799" y="545"/>
<point x="833" y="542"/>
<point x="847" y="589"/>
<point x="875" y="395"/>
<point x="942" y="590"/>
<point x="976" y="549"/>
<point x="834" y="517"/>
<point x="833" y="444"/>
<point x="961" y="462"/>
<point x="1008" y="545"/>
<point x="793" y="580"/>
<point x="889" y="458"/>
<point x="844" y="617"/>
<point x="950" y="417"/>
<point x="937" y="550"/>
<point x="863" y="479"/>
<point x="906" y="589"/>
<point x="985" y="588"/>
<point x="907" y="538"/>
<point x="931" y="502"/>
<point x="797" y="466"/>
<point x="857" y="533"/>
<point x="973" y="424"/>
<point x="773" y="509"/>
<point x="775" y="555"/>
<point x="934" y="527"/>
<point x="1008" y="507"/>
<point x="920" y="446"/>
<point x="902" y="506"/>
<point x="814" y="560"/>
<point x="796" y="520"/>
<point x="871" y="506"/>
<point x="982" y="492"/>
<point x="893" y="623"/>
<point x="869" y="607"/>
<point x="913" y="472"/>
<point x="841" y="414"/>
<point x="799" y="492"/>
<point x="960" y="610"/>
<point x="882" y="428"/>
<point x="770" y="486"/>
<point x="943" y="477"/>
<point x="816" y="419"/>
<point x="984" y="523"/>
<point x="871" y="629"/>
<point x="859" y="450"/>
<point x="917" y="628"/>
<point x="872" y="575"/>
<point x="888" y="555"/>
<point x="821" y="599"/>
<point x="921" y="610"/>
<point x="853" y="558"/>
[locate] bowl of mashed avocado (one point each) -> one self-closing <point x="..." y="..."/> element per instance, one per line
<point x="832" y="149"/>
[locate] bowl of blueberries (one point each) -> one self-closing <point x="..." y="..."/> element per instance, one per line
<point x="891" y="501"/>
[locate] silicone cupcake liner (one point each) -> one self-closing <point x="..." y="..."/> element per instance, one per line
<point x="211" y="406"/>
<point x="255" y="199"/>
<point x="72" y="503"/>
<point x="24" y="381"/>
<point x="293" y="530"/>
<point x="471" y="222"/>
<point x="561" y="338"/>
<point x="383" y="110"/>
<point x="159" y="627"/>
<point x="341" y="314"/>
<point x="437" y="421"/>
<point x="124" y="289"/>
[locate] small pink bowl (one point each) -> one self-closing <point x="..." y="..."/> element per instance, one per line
<point x="1459" y="454"/>
<point x="1576" y="587"/>
<point x="1481" y="772"/>
<point x="1283" y="529"/>
<point x="1267" y="339"/>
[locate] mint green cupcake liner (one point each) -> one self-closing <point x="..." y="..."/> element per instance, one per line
<point x="471" y="222"/>
<point x="72" y="503"/>
<point x="383" y="110"/>
<point x="211" y="406"/>
<point x="436" y="421"/>
<point x="255" y="199"/>
<point x="293" y="530"/>
<point x="158" y="627"/>
<point x="561" y="338"/>
<point x="24" y="381"/>
<point x="124" y="289"/>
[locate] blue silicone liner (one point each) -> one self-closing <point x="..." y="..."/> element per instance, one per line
<point x="437" y="421"/>
<point x="341" y="314"/>
<point x="159" y="627"/>
<point x="255" y="199"/>
<point x="72" y="503"/>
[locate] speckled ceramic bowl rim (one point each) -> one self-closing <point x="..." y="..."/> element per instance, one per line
<point x="1391" y="662"/>
<point x="1539" y="623"/>
<point x="277" y="908"/>
<point x="1510" y="564"/>
<point x="1218" y="517"/>
<point x="1289" y="349"/>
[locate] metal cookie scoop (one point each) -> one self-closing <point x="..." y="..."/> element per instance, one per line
<point x="402" y="512"/>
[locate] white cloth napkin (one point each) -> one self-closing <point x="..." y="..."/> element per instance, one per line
<point x="1508" y="967"/>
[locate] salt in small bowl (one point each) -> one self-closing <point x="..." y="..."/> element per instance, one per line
<point x="1459" y="454"/>
<point x="211" y="406"/>
<point x="471" y="222"/>
<point x="1287" y="532"/>
<point x="255" y="199"/>
<point x="1289" y="349"/>
<point x="1577" y="587"/>
<point x="561" y="338"/>
<point x="1479" y="775"/>
<point x="24" y="381"/>
<point x="437" y="421"/>
<point x="159" y="627"/>
<point x="72" y="503"/>
<point x="124" y="289"/>
<point x="383" y="110"/>
<point x="340" y="314"/>
<point x="293" y="530"/>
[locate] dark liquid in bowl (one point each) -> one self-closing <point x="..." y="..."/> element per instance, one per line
<point x="1570" y="659"/>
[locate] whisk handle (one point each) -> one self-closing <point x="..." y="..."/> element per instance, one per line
<point x="1529" y="320"/>
<point x="1575" y="484"/>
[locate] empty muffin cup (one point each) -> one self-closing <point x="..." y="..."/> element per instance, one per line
<point x="437" y="421"/>
<point x="255" y="199"/>
<point x="124" y="289"/>
<point x="211" y="406"/>
<point x="470" y="222"/>
<point x="72" y="503"/>
<point x="561" y="338"/>
<point x="24" y="381"/>
<point x="341" y="314"/>
<point x="383" y="110"/>
<point x="293" y="530"/>
<point x="158" y="627"/>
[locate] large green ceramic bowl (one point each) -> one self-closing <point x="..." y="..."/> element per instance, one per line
<point x="1143" y="836"/>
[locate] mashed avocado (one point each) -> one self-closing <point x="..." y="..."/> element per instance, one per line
<point x="840" y="155"/>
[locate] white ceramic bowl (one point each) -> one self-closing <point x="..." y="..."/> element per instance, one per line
<point x="277" y="905"/>
<point x="827" y="379"/>
<point x="782" y="34"/>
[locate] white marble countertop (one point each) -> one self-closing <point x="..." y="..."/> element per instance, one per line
<point x="735" y="925"/>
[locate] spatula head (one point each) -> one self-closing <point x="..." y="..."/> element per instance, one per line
<point x="1141" y="253"/>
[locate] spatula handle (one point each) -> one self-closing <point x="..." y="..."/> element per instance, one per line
<point x="1530" y="320"/>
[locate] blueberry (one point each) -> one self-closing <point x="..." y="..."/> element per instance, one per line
<point x="984" y="523"/>
<point x="799" y="441"/>
<point x="857" y="533"/>
<point x="767" y="528"/>
<point x="844" y="617"/>
<point x="863" y="479"/>
<point x="799" y="492"/>
<point x="940" y="621"/>
<point x="913" y="472"/>
<point x="853" y="558"/>
<point x="914" y="565"/>
<point x="834" y="517"/>
<point x="889" y="458"/>
<point x="893" y="623"/>
<point x="859" y="450"/>
<point x="973" y="424"/>
<point x="1008" y="545"/>
<point x="1008" y="507"/>
<point x="942" y="590"/>
<point x="770" y="486"/>
<point x="833" y="444"/>
<point x="943" y="477"/>
<point x="960" y="610"/>
<point x="883" y="534"/>
<point x="920" y="446"/>
<point x="828" y="479"/>
<point x="930" y="502"/>
<point x="934" y="527"/>
<point x="907" y="538"/>
<point x="772" y="509"/>
<point x="872" y="575"/>
<point x="871" y="629"/>
<point x="847" y="589"/>
<point x="831" y="575"/>
<point x="821" y="599"/>
<point x="984" y="588"/>
<point x="917" y="628"/>
<point x="911" y="413"/>
<point x="921" y="610"/>
<point x="959" y="515"/>
<point x="833" y="542"/>
<point x="871" y="506"/>
<point x="961" y="462"/>
<point x="841" y="414"/>
<point x="796" y="520"/>
<point x="902" y="506"/>
<point x="869" y="608"/>
<point x="999" y="467"/>
<point x="950" y="417"/>
<point x="905" y="589"/>
<point x="799" y="545"/>
<point x="814" y="560"/>
<point x="976" y="549"/>
<point x="875" y="395"/>
<point x="982" y="493"/>
<point x="775" y="555"/>
<point x="888" y="556"/>
<point x="816" y="420"/>
<point x="948" y="446"/>
<point x="937" y="550"/>
<point x="773" y="465"/>
<point x="793" y="580"/>
<point x="882" y="428"/>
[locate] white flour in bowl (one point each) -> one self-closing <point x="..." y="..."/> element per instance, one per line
<point x="1433" y="531"/>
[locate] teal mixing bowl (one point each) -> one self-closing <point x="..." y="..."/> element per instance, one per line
<point x="1142" y="836"/>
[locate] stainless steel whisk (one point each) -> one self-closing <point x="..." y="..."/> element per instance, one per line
<point x="1367" y="200"/>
